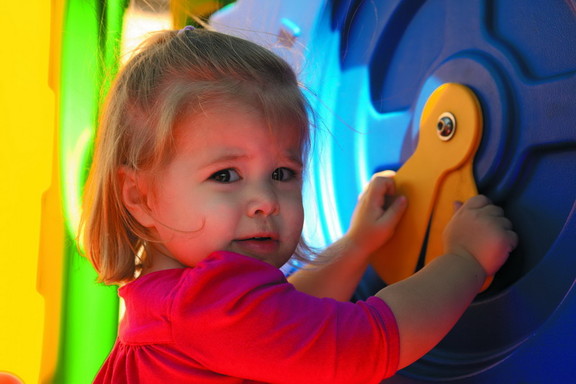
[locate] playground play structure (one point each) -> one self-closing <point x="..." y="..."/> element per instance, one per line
<point x="458" y="97"/>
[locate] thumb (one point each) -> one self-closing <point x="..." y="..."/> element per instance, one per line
<point x="395" y="211"/>
<point x="457" y="205"/>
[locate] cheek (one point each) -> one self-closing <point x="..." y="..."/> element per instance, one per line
<point x="177" y="212"/>
<point x="295" y="212"/>
<point x="219" y="214"/>
<point x="175" y="218"/>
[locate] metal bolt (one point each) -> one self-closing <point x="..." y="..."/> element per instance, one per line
<point x="446" y="126"/>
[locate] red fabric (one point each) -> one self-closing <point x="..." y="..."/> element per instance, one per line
<point x="235" y="319"/>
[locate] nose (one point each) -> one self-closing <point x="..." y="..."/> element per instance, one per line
<point x="263" y="201"/>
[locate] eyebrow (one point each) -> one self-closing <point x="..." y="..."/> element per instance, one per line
<point x="226" y="157"/>
<point x="294" y="158"/>
<point x="231" y="156"/>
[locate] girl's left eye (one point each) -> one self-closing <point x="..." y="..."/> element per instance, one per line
<point x="225" y="176"/>
<point x="283" y="174"/>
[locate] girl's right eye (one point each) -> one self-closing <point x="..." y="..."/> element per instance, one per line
<point x="225" y="176"/>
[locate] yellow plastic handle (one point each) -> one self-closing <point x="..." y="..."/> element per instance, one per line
<point x="437" y="174"/>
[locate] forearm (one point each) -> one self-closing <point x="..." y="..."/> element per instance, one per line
<point x="429" y="303"/>
<point x="338" y="277"/>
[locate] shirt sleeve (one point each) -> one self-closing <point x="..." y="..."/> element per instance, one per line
<point x="240" y="317"/>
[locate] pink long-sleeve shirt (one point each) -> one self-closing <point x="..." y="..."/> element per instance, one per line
<point x="235" y="319"/>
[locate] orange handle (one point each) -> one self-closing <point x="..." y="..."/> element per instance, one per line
<point x="437" y="174"/>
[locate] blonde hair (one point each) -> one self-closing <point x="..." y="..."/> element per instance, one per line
<point x="173" y="73"/>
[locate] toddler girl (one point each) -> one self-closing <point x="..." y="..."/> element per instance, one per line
<point x="194" y="202"/>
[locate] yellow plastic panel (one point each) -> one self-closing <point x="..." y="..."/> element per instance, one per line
<point x="184" y="11"/>
<point x="437" y="174"/>
<point x="27" y="137"/>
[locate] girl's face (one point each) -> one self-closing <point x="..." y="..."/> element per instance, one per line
<point x="233" y="184"/>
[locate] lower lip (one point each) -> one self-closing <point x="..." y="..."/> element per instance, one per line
<point x="258" y="247"/>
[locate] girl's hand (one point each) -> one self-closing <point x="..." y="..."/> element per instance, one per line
<point x="479" y="229"/>
<point x="377" y="213"/>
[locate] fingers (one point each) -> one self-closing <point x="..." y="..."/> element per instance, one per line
<point x="513" y="240"/>
<point x="485" y="207"/>
<point x="381" y="190"/>
<point x="506" y="223"/>
<point x="389" y="201"/>
<point x="383" y="182"/>
<point x="497" y="215"/>
<point x="511" y="237"/>
<point x="478" y="201"/>
<point x="482" y="203"/>
<point x="380" y="199"/>
<point x="392" y="204"/>
<point x="493" y="210"/>
<point x="394" y="212"/>
<point x="387" y="173"/>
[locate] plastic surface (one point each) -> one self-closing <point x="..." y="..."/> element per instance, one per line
<point x="27" y="103"/>
<point x="57" y="324"/>
<point x="371" y="67"/>
<point x="437" y="174"/>
<point x="88" y="319"/>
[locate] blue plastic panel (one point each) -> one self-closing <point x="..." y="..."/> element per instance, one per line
<point x="371" y="65"/>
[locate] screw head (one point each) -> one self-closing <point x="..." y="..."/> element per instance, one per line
<point x="446" y="126"/>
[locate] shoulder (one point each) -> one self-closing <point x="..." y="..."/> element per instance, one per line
<point x="226" y="263"/>
<point x="223" y="271"/>
<point x="225" y="277"/>
<point x="219" y="269"/>
<point x="161" y="303"/>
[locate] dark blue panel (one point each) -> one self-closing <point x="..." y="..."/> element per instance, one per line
<point x="520" y="60"/>
<point x="540" y="34"/>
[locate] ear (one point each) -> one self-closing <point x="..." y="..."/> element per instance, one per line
<point x="135" y="194"/>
